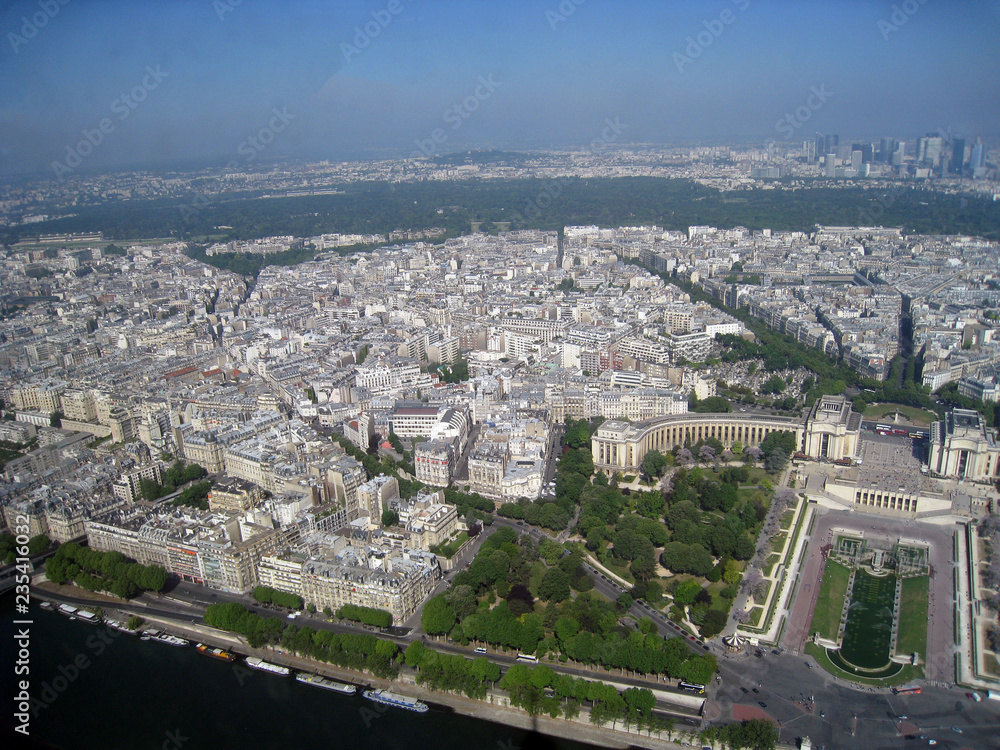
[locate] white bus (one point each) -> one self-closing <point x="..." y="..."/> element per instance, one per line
<point x="527" y="657"/>
<point x="692" y="687"/>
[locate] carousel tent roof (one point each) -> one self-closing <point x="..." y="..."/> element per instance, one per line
<point x="735" y="641"/>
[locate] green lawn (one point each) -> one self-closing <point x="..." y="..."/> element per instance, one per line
<point x="915" y="415"/>
<point x="786" y="518"/>
<point x="755" y="615"/>
<point x="535" y="578"/>
<point x="869" y="621"/>
<point x="912" y="635"/>
<point x="771" y="561"/>
<point x="905" y="675"/>
<point x="778" y="543"/>
<point x="826" y="615"/>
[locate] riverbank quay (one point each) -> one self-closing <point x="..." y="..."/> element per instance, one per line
<point x="493" y="709"/>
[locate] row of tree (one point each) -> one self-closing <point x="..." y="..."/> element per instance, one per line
<point x="542" y="690"/>
<point x="8" y="546"/>
<point x="103" y="571"/>
<point x="267" y="595"/>
<point x="754" y="734"/>
<point x="378" y="618"/>
<point x="358" y="651"/>
<point x="473" y="677"/>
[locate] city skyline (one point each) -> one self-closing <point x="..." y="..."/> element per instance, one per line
<point x="261" y="82"/>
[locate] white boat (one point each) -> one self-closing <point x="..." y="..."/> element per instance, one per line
<point x="171" y="640"/>
<point x="394" y="699"/>
<point x="46" y="605"/>
<point x="324" y="682"/>
<point x="66" y="609"/>
<point x="267" y="666"/>
<point x="119" y="625"/>
<point x="86" y="616"/>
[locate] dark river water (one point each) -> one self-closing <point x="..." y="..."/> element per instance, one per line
<point x="94" y="687"/>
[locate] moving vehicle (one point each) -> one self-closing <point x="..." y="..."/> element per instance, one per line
<point x="527" y="657"/>
<point x="394" y="699"/>
<point x="692" y="687"/>
<point x="480" y="650"/>
<point x="907" y="691"/>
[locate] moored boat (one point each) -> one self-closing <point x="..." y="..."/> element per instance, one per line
<point x="326" y="683"/>
<point x="86" y="616"/>
<point x="216" y="653"/>
<point x="170" y="640"/>
<point x="394" y="699"/>
<point x="267" y="666"/>
<point x="119" y="625"/>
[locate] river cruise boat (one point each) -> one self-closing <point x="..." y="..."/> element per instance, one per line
<point x="394" y="699"/>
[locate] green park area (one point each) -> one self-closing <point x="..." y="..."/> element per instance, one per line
<point x="868" y="631"/>
<point x="912" y="413"/>
<point x="833" y="589"/>
<point x="903" y="672"/>
<point x="912" y="635"/>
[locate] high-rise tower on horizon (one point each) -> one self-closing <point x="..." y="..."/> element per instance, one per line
<point x="957" y="155"/>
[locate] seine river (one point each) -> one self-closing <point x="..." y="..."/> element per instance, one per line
<point x="109" y="690"/>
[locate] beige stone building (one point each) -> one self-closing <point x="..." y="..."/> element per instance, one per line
<point x="963" y="447"/>
<point x="833" y="429"/>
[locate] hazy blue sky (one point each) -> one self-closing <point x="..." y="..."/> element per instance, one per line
<point x="552" y="77"/>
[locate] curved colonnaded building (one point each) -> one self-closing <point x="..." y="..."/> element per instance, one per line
<point x="831" y="430"/>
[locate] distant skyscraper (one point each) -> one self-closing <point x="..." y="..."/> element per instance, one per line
<point x="830" y="144"/>
<point x="957" y="155"/>
<point x="899" y="154"/>
<point x="831" y="165"/>
<point x="867" y="152"/>
<point x="820" y="145"/>
<point x="855" y="158"/>
<point x="886" y="147"/>
<point x="929" y="150"/>
<point x="976" y="159"/>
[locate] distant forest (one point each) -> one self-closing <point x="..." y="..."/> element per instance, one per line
<point x="530" y="203"/>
